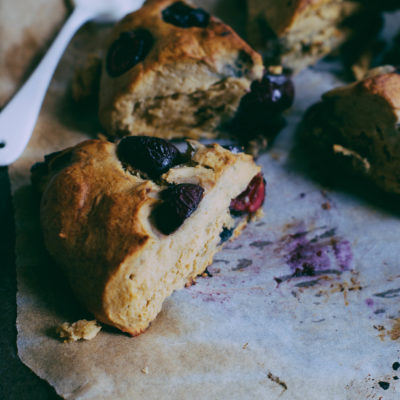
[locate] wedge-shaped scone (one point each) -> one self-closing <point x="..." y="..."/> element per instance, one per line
<point x="173" y="70"/>
<point x="126" y="241"/>
<point x="298" y="33"/>
<point x="357" y="127"/>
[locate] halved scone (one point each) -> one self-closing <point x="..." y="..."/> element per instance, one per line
<point x="131" y="222"/>
<point x="173" y="70"/>
<point x="300" y="32"/>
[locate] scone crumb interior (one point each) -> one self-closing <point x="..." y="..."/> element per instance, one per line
<point x="82" y="329"/>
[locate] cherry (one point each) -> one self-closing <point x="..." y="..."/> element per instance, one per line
<point x="252" y="198"/>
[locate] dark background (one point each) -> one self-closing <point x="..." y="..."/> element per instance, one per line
<point x="16" y="380"/>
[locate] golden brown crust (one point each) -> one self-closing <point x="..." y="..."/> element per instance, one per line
<point x="92" y="188"/>
<point x="386" y="86"/>
<point x="181" y="61"/>
<point x="96" y="223"/>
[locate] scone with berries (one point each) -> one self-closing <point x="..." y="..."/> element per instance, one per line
<point x="356" y="127"/>
<point x="173" y="70"/>
<point x="131" y="222"/>
<point x="298" y="33"/>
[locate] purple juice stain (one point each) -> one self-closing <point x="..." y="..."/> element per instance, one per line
<point x="305" y="255"/>
<point x="369" y="302"/>
<point x="322" y="254"/>
<point x="343" y="253"/>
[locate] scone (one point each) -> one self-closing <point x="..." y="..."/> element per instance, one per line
<point x="298" y="33"/>
<point x="357" y="127"/>
<point x="131" y="222"/>
<point x="173" y="70"/>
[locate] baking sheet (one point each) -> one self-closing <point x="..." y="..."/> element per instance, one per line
<point x="259" y="327"/>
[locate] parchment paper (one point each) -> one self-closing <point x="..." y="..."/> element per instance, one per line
<point x="259" y="328"/>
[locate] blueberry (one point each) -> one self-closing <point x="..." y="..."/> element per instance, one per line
<point x="184" y="16"/>
<point x="150" y="155"/>
<point x="178" y="203"/>
<point x="128" y="50"/>
<point x="225" y="234"/>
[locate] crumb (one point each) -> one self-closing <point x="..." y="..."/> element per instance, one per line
<point x="384" y="385"/>
<point x="275" y="156"/>
<point x="245" y="346"/>
<point x="259" y="214"/>
<point x="379" y="327"/>
<point x="395" y="331"/>
<point x="277" y="380"/>
<point x="256" y="145"/>
<point x="275" y="69"/>
<point x="206" y="274"/>
<point x="82" y="329"/>
<point x="145" y="370"/>
<point x="62" y="235"/>
<point x="326" y="206"/>
<point x="101" y="136"/>
<point x="192" y="282"/>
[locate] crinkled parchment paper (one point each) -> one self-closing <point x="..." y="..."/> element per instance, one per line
<point x="304" y="305"/>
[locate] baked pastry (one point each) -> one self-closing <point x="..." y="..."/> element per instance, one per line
<point x="357" y="127"/>
<point x="299" y="33"/>
<point x="131" y="222"/>
<point x="172" y="70"/>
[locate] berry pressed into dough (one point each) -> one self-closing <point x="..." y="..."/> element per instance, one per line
<point x="131" y="222"/>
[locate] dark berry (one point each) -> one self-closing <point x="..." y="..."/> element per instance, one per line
<point x="259" y="110"/>
<point x="225" y="234"/>
<point x="179" y="202"/>
<point x="384" y="385"/>
<point x="128" y="50"/>
<point x="184" y="16"/>
<point x="150" y="155"/>
<point x="274" y="91"/>
<point x="252" y="198"/>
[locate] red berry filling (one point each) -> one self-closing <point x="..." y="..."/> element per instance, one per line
<point x="252" y="198"/>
